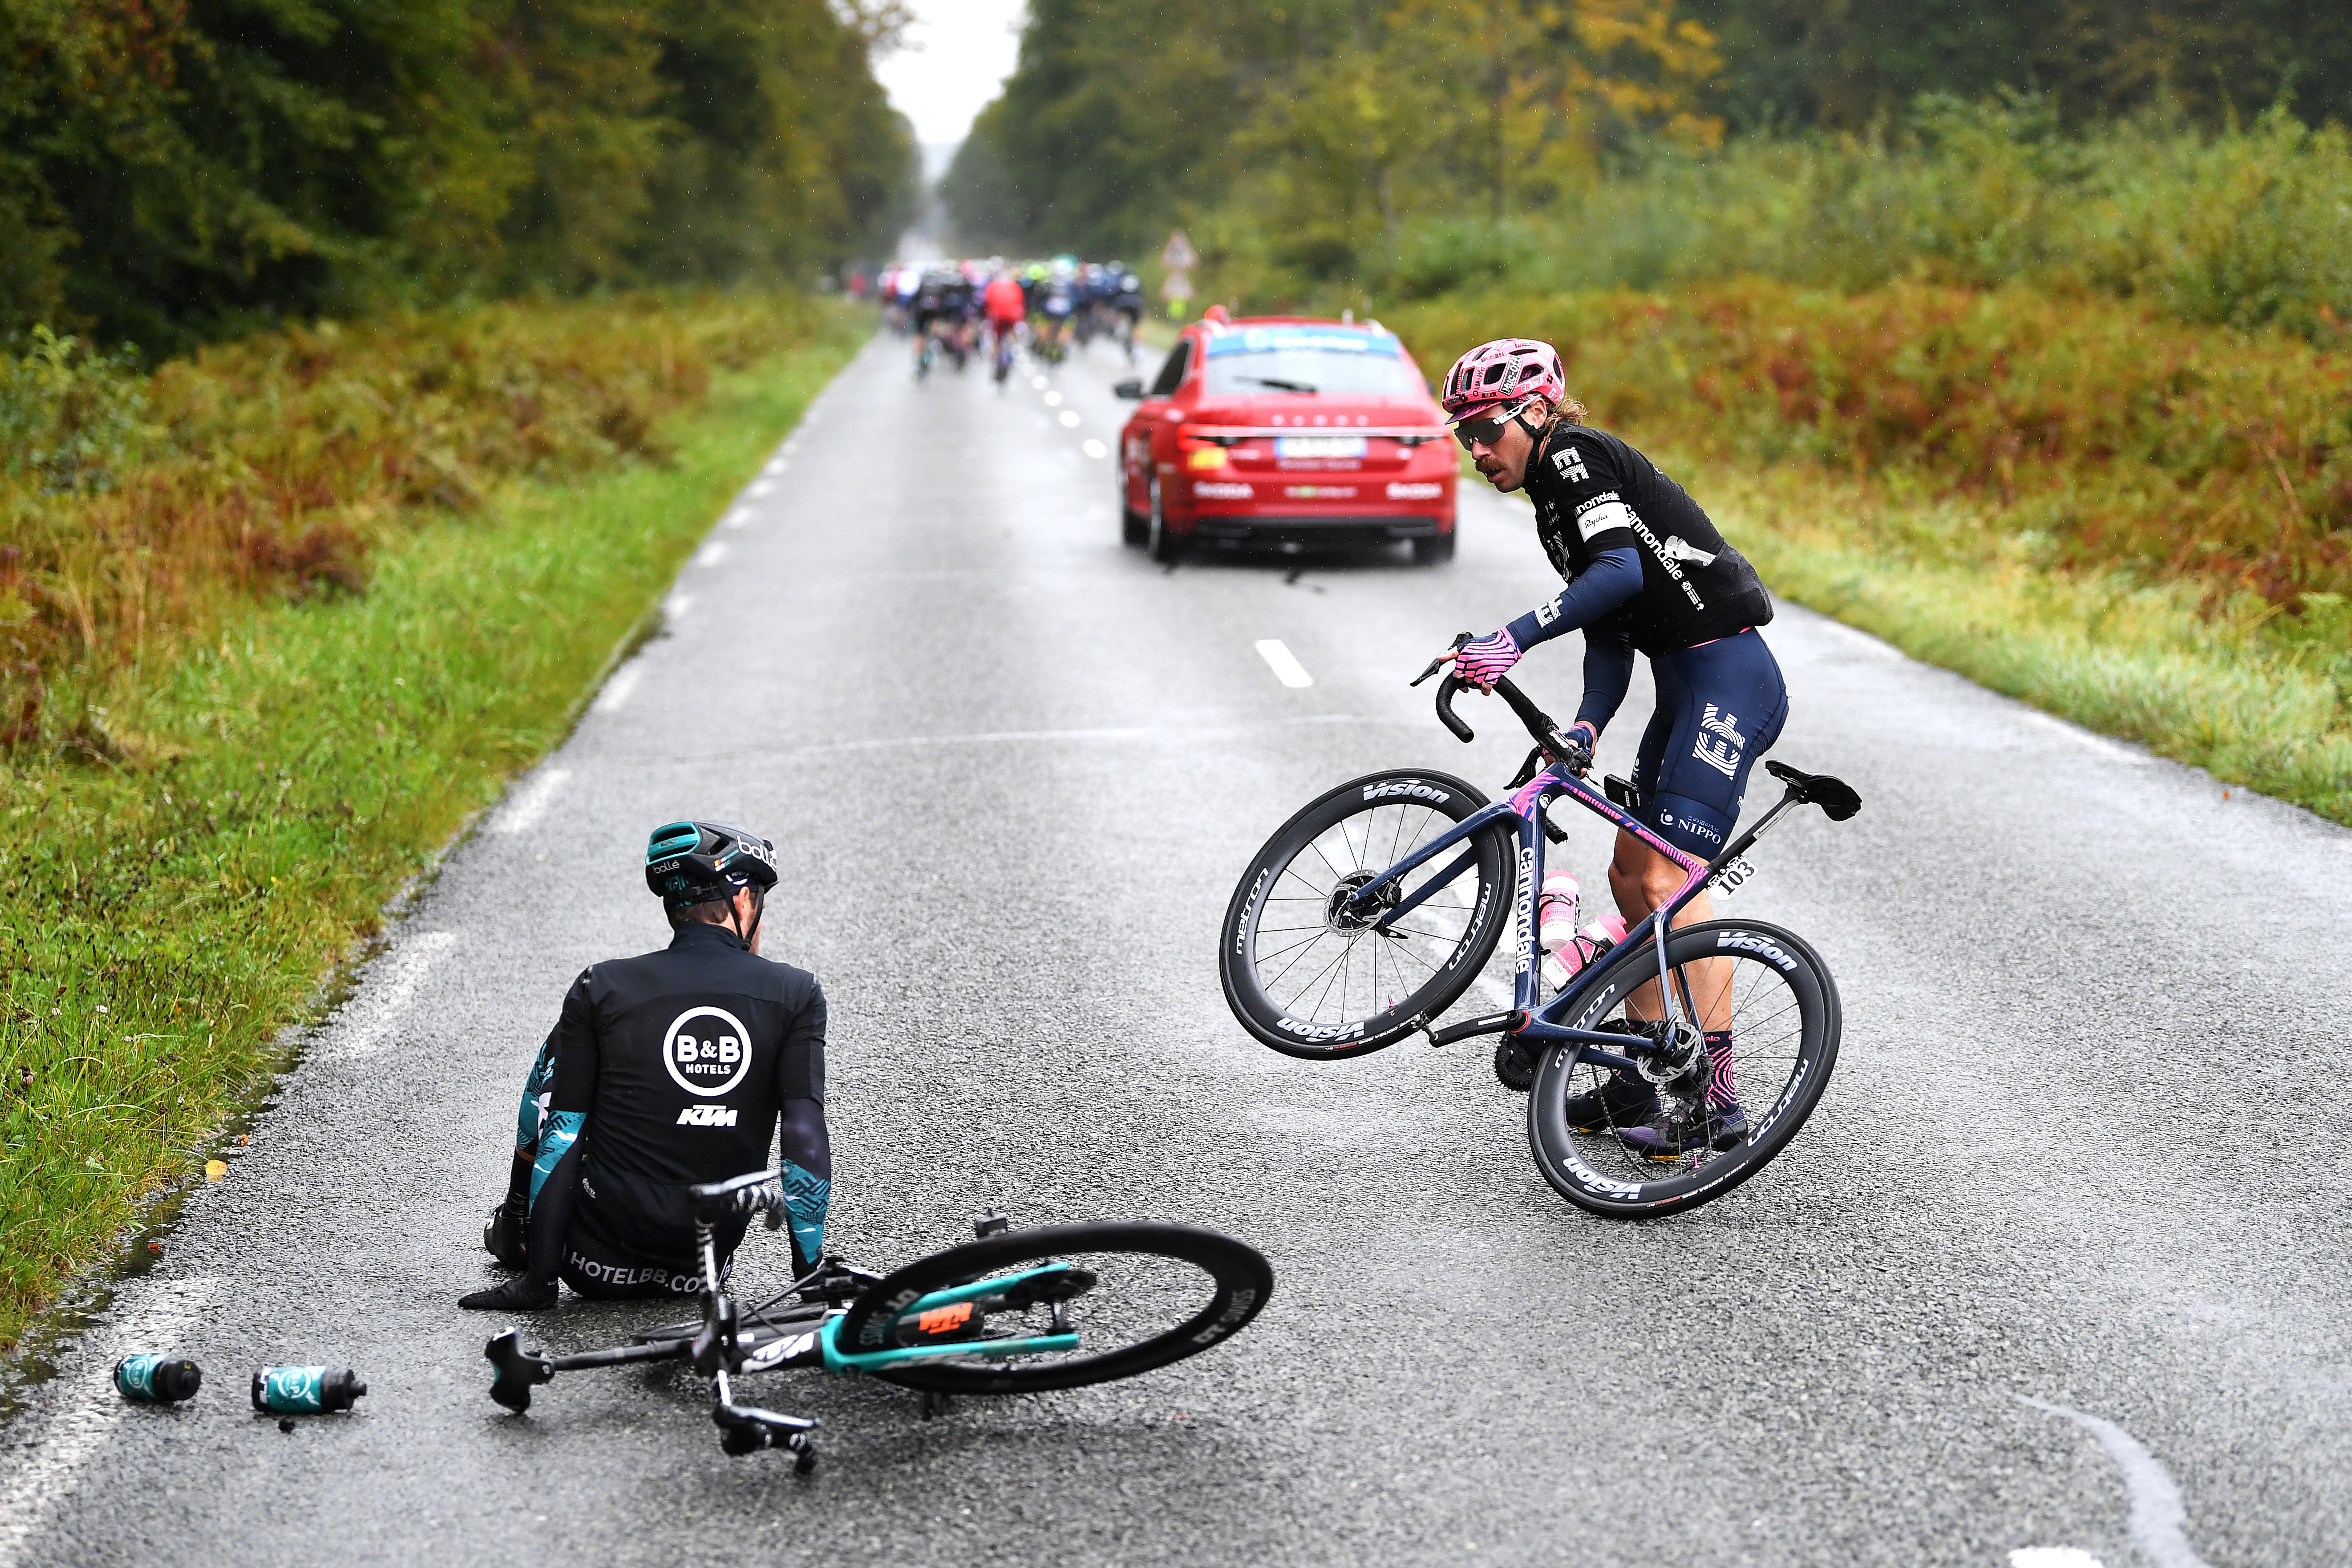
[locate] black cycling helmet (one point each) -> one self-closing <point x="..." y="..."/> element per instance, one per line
<point x="689" y="863"/>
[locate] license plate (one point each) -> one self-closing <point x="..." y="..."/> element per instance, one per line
<point x="1318" y="445"/>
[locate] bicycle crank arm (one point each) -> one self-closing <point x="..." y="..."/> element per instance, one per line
<point x="1510" y="1023"/>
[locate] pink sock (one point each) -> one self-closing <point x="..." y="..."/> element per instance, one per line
<point x="1719" y="1090"/>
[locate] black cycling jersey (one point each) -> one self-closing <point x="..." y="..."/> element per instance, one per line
<point x="671" y="1070"/>
<point x="1594" y="493"/>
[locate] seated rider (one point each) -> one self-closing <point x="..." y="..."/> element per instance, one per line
<point x="667" y="1070"/>
<point x="1646" y="572"/>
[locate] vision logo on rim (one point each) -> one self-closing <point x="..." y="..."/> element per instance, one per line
<point x="706" y="1050"/>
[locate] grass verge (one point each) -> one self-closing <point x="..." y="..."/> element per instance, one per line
<point x="2255" y="697"/>
<point x="161" y="922"/>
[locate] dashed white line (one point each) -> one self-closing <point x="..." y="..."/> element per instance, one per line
<point x="2158" y="1521"/>
<point x="1053" y="400"/>
<point x="1098" y="451"/>
<point x="1069" y="420"/>
<point x="366" y="1021"/>
<point x="710" y="554"/>
<point x="164" y="1313"/>
<point x="739" y="518"/>
<point x="760" y="488"/>
<point x="531" y="802"/>
<point x="616" y="691"/>
<point x="1285" y="664"/>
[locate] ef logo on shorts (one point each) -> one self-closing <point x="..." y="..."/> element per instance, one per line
<point x="706" y="1050"/>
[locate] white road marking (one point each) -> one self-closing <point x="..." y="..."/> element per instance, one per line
<point x="531" y="802"/>
<point x="616" y="691"/>
<point x="1095" y="449"/>
<point x="775" y="468"/>
<point x="678" y="604"/>
<point x="1285" y="665"/>
<point x="2158" y="1521"/>
<point x="1040" y="382"/>
<point x="1069" y="420"/>
<point x="159" y="1320"/>
<point x="2053" y="1557"/>
<point x="1495" y="991"/>
<point x="710" y="554"/>
<point x="2108" y="749"/>
<point x="365" y="1024"/>
<point x="1053" y="400"/>
<point x="739" y="518"/>
<point x="759" y="488"/>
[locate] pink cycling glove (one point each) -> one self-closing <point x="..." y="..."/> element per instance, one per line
<point x="1488" y="660"/>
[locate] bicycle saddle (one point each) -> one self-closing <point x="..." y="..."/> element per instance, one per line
<point x="1834" y="796"/>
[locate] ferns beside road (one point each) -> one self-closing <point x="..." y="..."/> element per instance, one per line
<point x="136" y="509"/>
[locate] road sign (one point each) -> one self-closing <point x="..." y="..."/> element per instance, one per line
<point x="1179" y="255"/>
<point x="1178" y="287"/>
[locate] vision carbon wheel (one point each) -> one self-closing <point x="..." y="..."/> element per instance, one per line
<point x="1312" y="978"/>
<point x="1608" y="1147"/>
<point x="1137" y="1294"/>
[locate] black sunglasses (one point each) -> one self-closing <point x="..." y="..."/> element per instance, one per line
<point x="1484" y="432"/>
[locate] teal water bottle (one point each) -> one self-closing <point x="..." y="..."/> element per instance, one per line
<point x="305" y="1390"/>
<point x="156" y="1380"/>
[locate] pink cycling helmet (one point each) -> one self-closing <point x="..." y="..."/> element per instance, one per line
<point x="1498" y="375"/>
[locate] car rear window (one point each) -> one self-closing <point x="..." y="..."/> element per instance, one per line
<point x="1255" y="360"/>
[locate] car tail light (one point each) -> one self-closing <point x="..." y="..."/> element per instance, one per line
<point x="1201" y="452"/>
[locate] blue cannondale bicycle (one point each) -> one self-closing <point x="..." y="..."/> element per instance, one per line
<point x="1012" y="1311"/>
<point x="1370" y="912"/>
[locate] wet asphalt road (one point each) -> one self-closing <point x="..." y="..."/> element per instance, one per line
<point x="2084" y="1144"/>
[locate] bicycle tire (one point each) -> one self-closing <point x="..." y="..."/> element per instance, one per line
<point x="1596" y="1171"/>
<point x="1459" y="932"/>
<point x="1233" y="1283"/>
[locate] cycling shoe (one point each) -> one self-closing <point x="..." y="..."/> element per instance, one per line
<point x="1623" y="1099"/>
<point x="517" y="1295"/>
<point x="1670" y="1137"/>
<point x="506" y="1237"/>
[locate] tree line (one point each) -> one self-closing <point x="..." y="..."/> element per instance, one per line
<point x="1313" y="134"/>
<point x="177" y="170"/>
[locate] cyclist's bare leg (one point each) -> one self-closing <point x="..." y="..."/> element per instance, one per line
<point x="1643" y="881"/>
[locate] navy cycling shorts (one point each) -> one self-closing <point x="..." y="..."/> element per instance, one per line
<point x="1720" y="706"/>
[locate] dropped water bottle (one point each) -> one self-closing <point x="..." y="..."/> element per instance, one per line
<point x="305" y="1390"/>
<point x="157" y="1380"/>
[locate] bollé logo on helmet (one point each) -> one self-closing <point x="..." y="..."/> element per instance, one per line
<point x="706" y="1050"/>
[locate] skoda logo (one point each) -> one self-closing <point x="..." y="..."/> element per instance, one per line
<point x="708" y="1050"/>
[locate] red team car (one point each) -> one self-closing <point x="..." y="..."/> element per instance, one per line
<point x="1290" y="432"/>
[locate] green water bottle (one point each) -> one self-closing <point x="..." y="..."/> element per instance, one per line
<point x="305" y="1390"/>
<point x="156" y="1380"/>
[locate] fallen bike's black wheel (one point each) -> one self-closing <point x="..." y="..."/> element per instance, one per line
<point x="1137" y="1294"/>
<point x="1311" y="978"/>
<point x="1776" y="997"/>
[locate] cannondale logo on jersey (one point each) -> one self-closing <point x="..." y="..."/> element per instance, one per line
<point x="706" y="1050"/>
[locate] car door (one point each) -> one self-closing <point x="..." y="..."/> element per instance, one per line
<point x="1151" y="437"/>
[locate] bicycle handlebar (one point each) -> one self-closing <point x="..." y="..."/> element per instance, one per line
<point x="1539" y="724"/>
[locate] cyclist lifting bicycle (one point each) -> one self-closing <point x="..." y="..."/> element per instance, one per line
<point x="666" y="1071"/>
<point x="1647" y="572"/>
